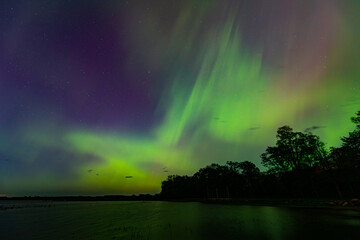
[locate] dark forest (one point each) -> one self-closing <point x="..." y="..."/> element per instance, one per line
<point x="298" y="166"/>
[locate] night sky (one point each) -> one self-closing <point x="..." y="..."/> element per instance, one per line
<point x="94" y="91"/>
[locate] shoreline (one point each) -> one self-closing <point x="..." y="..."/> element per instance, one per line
<point x="350" y="204"/>
<point x="353" y="204"/>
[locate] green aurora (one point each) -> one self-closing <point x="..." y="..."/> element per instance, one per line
<point x="224" y="77"/>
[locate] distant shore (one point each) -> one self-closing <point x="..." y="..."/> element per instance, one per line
<point x="280" y="202"/>
<point x="316" y="203"/>
<point x="141" y="197"/>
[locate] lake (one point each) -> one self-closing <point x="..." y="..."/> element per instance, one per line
<point x="172" y="220"/>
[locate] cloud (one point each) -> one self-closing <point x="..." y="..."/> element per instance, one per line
<point x="254" y="128"/>
<point x="313" y="128"/>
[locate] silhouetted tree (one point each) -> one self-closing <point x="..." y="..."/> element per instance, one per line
<point x="294" y="151"/>
<point x="214" y="178"/>
<point x="346" y="158"/>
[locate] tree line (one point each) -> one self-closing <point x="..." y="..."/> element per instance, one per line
<point x="298" y="166"/>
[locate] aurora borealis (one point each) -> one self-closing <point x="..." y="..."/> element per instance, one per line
<point x="93" y="91"/>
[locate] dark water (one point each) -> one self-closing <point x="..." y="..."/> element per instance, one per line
<point x="166" y="220"/>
